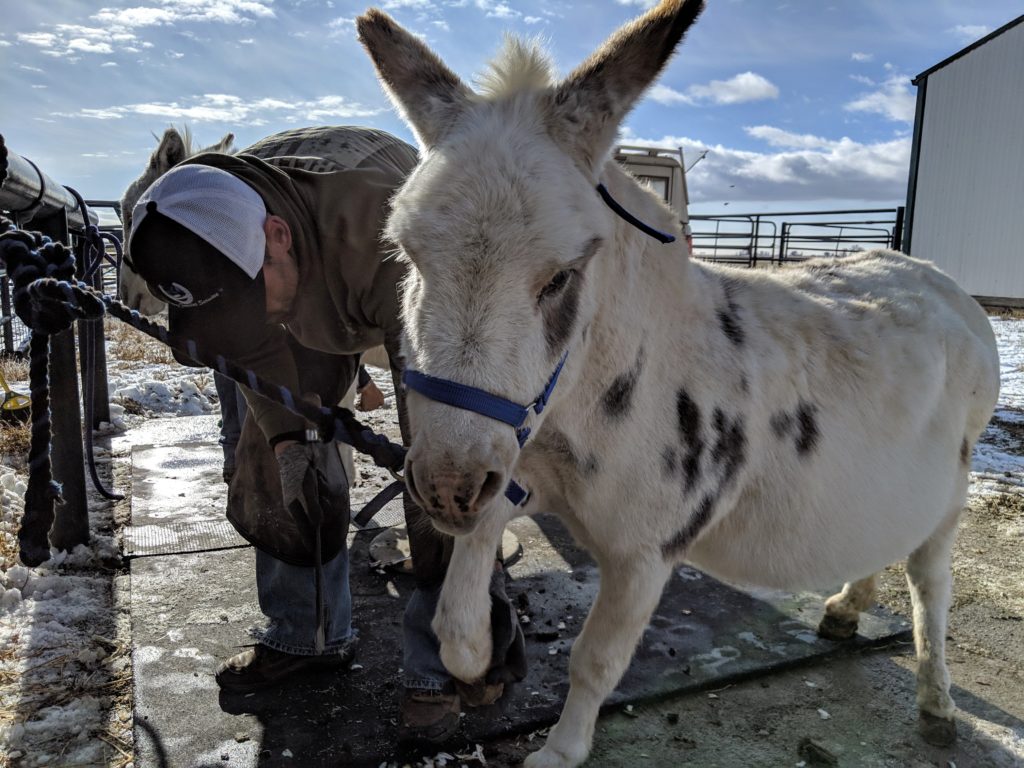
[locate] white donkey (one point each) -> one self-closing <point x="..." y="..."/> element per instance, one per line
<point x="793" y="429"/>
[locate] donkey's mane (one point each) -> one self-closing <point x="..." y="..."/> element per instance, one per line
<point x="520" y="66"/>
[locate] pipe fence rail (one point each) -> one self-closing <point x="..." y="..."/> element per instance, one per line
<point x="776" y="238"/>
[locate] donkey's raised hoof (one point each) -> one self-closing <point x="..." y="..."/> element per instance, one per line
<point x="836" y="628"/>
<point x="937" y="731"/>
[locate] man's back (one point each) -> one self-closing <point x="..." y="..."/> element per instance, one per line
<point x="331" y="148"/>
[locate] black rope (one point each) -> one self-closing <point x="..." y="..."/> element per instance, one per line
<point x="26" y="258"/>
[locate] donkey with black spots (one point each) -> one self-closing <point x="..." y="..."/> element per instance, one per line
<point x="792" y="429"/>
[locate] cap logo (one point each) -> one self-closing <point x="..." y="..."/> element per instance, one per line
<point x="181" y="296"/>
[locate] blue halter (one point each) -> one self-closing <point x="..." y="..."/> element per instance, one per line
<point x="493" y="406"/>
<point x="480" y="401"/>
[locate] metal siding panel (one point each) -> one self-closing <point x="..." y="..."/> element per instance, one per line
<point x="969" y="205"/>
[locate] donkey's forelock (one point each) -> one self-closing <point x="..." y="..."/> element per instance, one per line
<point x="521" y="66"/>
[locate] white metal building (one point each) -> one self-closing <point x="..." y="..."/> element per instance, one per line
<point x="965" y="196"/>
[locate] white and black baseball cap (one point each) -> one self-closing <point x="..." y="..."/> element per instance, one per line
<point x="197" y="240"/>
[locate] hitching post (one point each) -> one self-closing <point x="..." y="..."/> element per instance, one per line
<point x="71" y="518"/>
<point x="90" y="337"/>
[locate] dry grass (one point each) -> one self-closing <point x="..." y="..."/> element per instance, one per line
<point x="14" y="441"/>
<point x="14" y="368"/>
<point x="129" y="345"/>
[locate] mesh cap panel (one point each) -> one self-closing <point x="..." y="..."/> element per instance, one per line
<point x="218" y="207"/>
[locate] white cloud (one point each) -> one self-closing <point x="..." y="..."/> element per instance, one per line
<point x="777" y="137"/>
<point x="416" y="5"/>
<point x="862" y="57"/>
<point x="342" y="25"/>
<point x="744" y="87"/>
<point x="441" y="24"/>
<point x="498" y="10"/>
<point x="233" y="110"/>
<point x="40" y="39"/>
<point x="796" y="167"/>
<point x="5" y="44"/>
<point x="27" y="68"/>
<point x="533" y="20"/>
<point x="968" y="33"/>
<point x="116" y="27"/>
<point x="109" y="64"/>
<point x="862" y="79"/>
<point x="639" y="3"/>
<point x="88" y="46"/>
<point x="668" y="96"/>
<point x="223" y="11"/>
<point x="893" y="99"/>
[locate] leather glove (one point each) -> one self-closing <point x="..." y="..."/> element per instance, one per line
<point x="293" y="464"/>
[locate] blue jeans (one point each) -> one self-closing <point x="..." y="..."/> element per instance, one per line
<point x="233" y="409"/>
<point x="421" y="650"/>
<point x="287" y="595"/>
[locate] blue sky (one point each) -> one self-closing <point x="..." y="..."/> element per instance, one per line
<point x="803" y="103"/>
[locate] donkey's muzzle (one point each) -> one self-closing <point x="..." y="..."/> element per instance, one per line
<point x="453" y="499"/>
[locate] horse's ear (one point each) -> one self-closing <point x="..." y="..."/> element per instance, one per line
<point x="586" y="109"/>
<point x="428" y="94"/>
<point x="169" y="152"/>
<point x="224" y="145"/>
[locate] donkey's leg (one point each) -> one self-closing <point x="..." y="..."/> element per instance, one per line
<point x="462" y="621"/>
<point x="628" y="596"/>
<point x="930" y="578"/>
<point x="842" y="611"/>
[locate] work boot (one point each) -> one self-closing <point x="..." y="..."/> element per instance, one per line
<point x="262" y="667"/>
<point x="428" y="718"/>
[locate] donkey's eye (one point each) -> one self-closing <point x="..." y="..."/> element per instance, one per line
<point x="557" y="284"/>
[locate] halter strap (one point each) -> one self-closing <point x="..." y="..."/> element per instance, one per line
<point x="493" y="406"/>
<point x="622" y="213"/>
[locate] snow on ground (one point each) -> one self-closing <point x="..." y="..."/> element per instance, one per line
<point x="59" y="673"/>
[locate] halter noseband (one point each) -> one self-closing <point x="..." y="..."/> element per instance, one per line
<point x="501" y="409"/>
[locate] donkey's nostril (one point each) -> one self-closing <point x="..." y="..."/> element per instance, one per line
<point x="494" y="483"/>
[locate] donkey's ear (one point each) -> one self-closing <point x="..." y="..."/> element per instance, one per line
<point x="224" y="144"/>
<point x="171" y="151"/>
<point x="429" y="95"/>
<point x="586" y="109"/>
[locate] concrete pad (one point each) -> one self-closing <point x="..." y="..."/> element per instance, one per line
<point x="193" y="607"/>
<point x="178" y="500"/>
<point x="190" y="611"/>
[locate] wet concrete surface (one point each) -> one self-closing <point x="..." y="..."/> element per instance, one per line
<point x="192" y="610"/>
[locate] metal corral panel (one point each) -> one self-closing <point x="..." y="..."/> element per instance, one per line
<point x="968" y="208"/>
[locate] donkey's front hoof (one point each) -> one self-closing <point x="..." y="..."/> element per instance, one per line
<point x="835" y="628"/>
<point x="552" y="758"/>
<point x="937" y="731"/>
<point x="467" y="660"/>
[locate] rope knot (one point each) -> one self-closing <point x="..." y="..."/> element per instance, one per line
<point x="42" y="272"/>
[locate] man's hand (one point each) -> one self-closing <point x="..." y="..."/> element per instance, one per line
<point x="370" y="398"/>
<point x="293" y="459"/>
